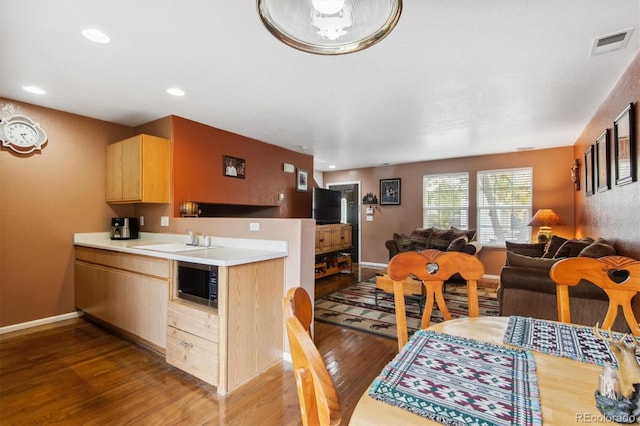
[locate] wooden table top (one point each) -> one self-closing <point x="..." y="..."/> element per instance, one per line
<point x="566" y="386"/>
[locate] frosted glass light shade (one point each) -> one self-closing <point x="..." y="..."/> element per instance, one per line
<point x="330" y="27"/>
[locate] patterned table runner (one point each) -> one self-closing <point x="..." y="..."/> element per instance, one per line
<point x="458" y="381"/>
<point x="572" y="341"/>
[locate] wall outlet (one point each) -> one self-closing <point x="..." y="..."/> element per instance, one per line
<point x="164" y="220"/>
<point x="141" y="220"/>
<point x="254" y="226"/>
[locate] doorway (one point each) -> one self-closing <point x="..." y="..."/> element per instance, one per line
<point x="351" y="213"/>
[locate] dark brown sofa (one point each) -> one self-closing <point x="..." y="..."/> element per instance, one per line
<point x="527" y="290"/>
<point x="453" y="239"/>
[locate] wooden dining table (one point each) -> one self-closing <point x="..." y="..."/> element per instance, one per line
<point x="566" y="387"/>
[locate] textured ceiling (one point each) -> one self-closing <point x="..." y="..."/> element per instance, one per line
<point x="455" y="78"/>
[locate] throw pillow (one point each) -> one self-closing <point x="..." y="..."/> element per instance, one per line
<point x="457" y="232"/>
<point x="526" y="249"/>
<point x="420" y="239"/>
<point x="458" y="244"/>
<point x="571" y="248"/>
<point x="440" y="239"/>
<point x="515" y="259"/>
<point x="599" y="248"/>
<point x="554" y="245"/>
<point x="403" y="242"/>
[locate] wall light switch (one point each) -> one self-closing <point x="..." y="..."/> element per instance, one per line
<point x="254" y="226"/>
<point x="288" y="168"/>
<point x="369" y="218"/>
<point x="164" y="220"/>
<point x="141" y="220"/>
<point x="281" y="197"/>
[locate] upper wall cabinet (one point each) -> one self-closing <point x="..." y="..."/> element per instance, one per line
<point x="138" y="170"/>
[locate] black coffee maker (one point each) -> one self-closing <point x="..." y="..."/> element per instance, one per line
<point x="124" y="228"/>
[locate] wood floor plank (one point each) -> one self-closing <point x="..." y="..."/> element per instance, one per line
<point x="75" y="373"/>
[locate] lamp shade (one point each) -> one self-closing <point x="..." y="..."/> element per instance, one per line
<point x="330" y="27"/>
<point x="546" y="217"/>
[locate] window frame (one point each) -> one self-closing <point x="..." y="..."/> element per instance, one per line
<point x="463" y="209"/>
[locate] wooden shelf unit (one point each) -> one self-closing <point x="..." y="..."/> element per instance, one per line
<point x="333" y="249"/>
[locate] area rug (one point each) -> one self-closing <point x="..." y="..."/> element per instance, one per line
<point x="355" y="307"/>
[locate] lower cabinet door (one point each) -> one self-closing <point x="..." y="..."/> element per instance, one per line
<point x="193" y="354"/>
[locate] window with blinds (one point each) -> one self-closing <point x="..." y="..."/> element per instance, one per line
<point x="445" y="200"/>
<point x="504" y="205"/>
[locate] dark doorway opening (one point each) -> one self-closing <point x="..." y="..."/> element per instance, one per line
<point x="351" y="193"/>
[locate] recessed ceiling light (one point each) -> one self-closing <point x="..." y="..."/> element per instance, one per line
<point x="33" y="89"/>
<point x="174" y="91"/>
<point x="525" y="148"/>
<point x="96" y="36"/>
<point x="332" y="166"/>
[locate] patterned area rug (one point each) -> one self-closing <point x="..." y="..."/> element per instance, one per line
<point x="355" y="307"/>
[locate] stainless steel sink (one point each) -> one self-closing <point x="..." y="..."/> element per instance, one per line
<point x="169" y="247"/>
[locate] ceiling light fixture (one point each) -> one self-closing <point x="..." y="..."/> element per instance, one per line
<point x="34" y="90"/>
<point x="330" y="27"/>
<point x="96" y="36"/>
<point x="174" y="91"/>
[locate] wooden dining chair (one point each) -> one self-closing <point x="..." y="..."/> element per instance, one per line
<point x="618" y="276"/>
<point x="433" y="268"/>
<point x="319" y="403"/>
<point x="302" y="308"/>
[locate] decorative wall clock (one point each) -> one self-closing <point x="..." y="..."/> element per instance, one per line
<point x="22" y="134"/>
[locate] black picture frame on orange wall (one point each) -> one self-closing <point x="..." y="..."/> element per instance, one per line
<point x="588" y="171"/>
<point x="625" y="146"/>
<point x="603" y="162"/>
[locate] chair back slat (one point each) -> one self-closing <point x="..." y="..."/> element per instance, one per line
<point x="317" y="396"/>
<point x="432" y="268"/>
<point x="618" y="276"/>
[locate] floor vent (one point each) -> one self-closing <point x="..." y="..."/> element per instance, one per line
<point x="610" y="42"/>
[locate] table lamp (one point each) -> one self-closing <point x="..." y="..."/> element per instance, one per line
<point x="545" y="218"/>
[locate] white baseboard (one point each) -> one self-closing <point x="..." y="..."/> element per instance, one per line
<point x="42" y="321"/>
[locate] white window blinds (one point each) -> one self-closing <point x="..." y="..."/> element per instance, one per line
<point x="445" y="200"/>
<point x="504" y="205"/>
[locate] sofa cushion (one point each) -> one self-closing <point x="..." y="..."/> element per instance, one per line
<point x="458" y="244"/>
<point x="403" y="242"/>
<point x="457" y="232"/>
<point x="598" y="248"/>
<point x="420" y="238"/>
<point x="440" y="239"/>
<point x="554" y="245"/>
<point x="571" y="248"/>
<point x="519" y="260"/>
<point x="526" y="249"/>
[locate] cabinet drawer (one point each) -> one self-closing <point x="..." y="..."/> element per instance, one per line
<point x="201" y="321"/>
<point x="147" y="265"/>
<point x="193" y="354"/>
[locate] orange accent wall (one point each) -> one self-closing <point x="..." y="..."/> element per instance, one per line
<point x="612" y="214"/>
<point x="552" y="189"/>
<point x="198" y="152"/>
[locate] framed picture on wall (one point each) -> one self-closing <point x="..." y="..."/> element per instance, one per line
<point x="625" y="146"/>
<point x="603" y="162"/>
<point x="588" y="171"/>
<point x="302" y="180"/>
<point x="233" y="167"/>
<point x="390" y="192"/>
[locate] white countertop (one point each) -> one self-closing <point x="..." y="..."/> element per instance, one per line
<point x="223" y="252"/>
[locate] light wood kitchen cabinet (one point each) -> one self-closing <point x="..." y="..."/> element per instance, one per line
<point x="130" y="292"/>
<point x="230" y="345"/>
<point x="138" y="170"/>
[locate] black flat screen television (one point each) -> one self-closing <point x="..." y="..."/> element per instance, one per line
<point x="326" y="206"/>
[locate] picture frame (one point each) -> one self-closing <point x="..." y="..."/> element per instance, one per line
<point x="233" y="167"/>
<point x="625" y="146"/>
<point x="390" y="191"/>
<point x="603" y="162"/>
<point x="302" y="180"/>
<point x="588" y="171"/>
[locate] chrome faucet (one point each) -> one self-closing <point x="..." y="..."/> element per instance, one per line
<point x="194" y="240"/>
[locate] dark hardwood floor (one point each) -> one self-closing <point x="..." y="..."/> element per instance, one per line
<point x="75" y="373"/>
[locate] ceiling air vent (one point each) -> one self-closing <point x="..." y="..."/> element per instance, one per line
<point x="610" y="42"/>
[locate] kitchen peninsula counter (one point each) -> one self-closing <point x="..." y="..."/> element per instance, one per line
<point x="134" y="291"/>
<point x="222" y="252"/>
